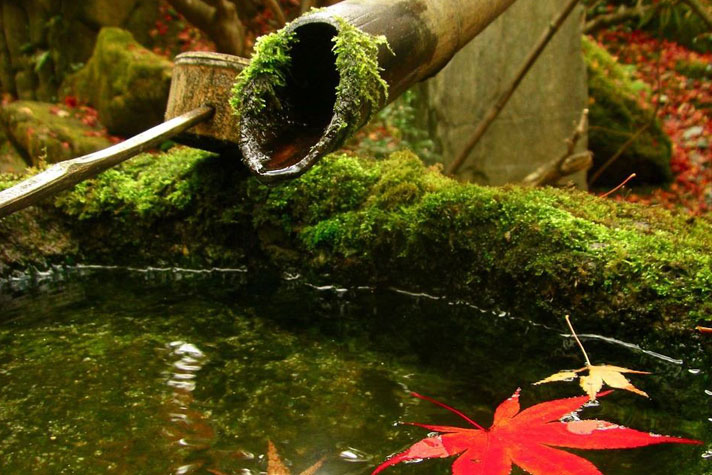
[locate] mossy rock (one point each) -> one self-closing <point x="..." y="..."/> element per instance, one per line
<point x="616" y="116"/>
<point x="545" y="252"/>
<point x="124" y="81"/>
<point x="49" y="132"/>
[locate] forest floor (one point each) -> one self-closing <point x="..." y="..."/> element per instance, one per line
<point x="681" y="94"/>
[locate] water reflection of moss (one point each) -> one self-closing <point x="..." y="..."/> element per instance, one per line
<point x="314" y="371"/>
<point x="395" y="221"/>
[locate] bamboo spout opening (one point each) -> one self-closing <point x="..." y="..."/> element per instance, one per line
<point x="294" y="129"/>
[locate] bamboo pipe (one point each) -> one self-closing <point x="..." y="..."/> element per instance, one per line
<point x="304" y="123"/>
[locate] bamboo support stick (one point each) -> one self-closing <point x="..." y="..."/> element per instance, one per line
<point x="63" y="175"/>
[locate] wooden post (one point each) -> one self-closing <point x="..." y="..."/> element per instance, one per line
<point x="202" y="78"/>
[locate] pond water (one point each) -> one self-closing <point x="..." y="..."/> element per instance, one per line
<point x="128" y="371"/>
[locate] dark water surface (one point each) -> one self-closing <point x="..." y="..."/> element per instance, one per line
<point x="178" y="372"/>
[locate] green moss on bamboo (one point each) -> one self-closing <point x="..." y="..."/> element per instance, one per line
<point x="266" y="73"/>
<point x="361" y="82"/>
<point x="356" y="54"/>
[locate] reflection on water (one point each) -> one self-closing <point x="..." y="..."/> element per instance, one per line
<point x="170" y="372"/>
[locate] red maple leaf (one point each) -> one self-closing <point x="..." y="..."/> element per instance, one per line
<point x="526" y="439"/>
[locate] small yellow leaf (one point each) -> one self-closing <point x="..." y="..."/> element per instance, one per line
<point x="597" y="375"/>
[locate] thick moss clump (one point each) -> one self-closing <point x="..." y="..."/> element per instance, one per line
<point x="266" y="72"/>
<point x="615" y="117"/>
<point x="125" y="82"/>
<point x="361" y="83"/>
<point x="395" y="222"/>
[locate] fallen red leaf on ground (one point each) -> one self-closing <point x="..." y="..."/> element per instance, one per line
<point x="526" y="439"/>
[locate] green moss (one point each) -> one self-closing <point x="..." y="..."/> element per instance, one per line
<point x="395" y="222"/>
<point x="357" y="63"/>
<point x="148" y="186"/>
<point x="616" y="115"/>
<point x="265" y="73"/>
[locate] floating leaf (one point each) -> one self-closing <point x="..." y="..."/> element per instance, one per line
<point x="597" y="375"/>
<point x="526" y="439"/>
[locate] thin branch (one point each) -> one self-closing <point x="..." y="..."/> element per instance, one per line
<point x="573" y="332"/>
<point x="625" y="182"/>
<point x="569" y="162"/>
<point x="497" y="107"/>
<point x="619" y="153"/>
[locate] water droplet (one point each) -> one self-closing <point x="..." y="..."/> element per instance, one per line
<point x="183" y="469"/>
<point x="183" y="376"/>
<point x="694" y="371"/>
<point x="708" y="392"/>
<point x="707" y="455"/>
<point x="190" y="350"/>
<point x="182" y="385"/>
<point x="573" y="417"/>
<point x="353" y="455"/>
<point x="186" y="367"/>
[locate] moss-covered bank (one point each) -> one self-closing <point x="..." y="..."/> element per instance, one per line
<point x="617" y="116"/>
<point x="391" y="222"/>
